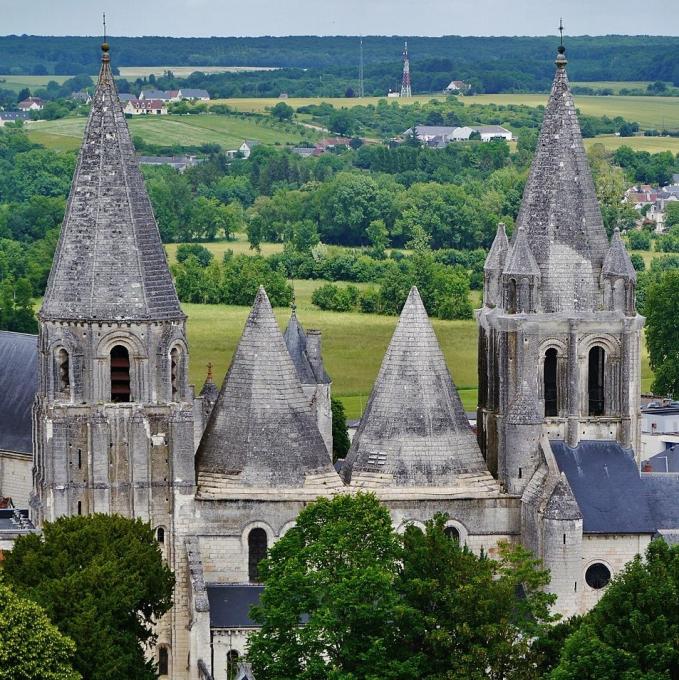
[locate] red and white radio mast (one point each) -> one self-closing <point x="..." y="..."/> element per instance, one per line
<point x="406" y="90"/>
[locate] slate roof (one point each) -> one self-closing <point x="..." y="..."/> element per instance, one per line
<point x="414" y="426"/>
<point x="662" y="495"/>
<point x="559" y="210"/>
<point x="230" y="605"/>
<point x="18" y="385"/>
<point x="296" y="342"/>
<point x="607" y="486"/>
<point x="109" y="263"/>
<point x="524" y="409"/>
<point x="666" y="461"/>
<point x="261" y="432"/>
<point x="617" y="262"/>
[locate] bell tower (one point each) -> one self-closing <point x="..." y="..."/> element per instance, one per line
<point x="114" y="411"/>
<point x="559" y="335"/>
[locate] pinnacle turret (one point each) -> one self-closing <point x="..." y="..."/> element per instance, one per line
<point x="109" y="264"/>
<point x="617" y="262"/>
<point x="495" y="260"/>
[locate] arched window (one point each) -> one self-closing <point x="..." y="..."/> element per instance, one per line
<point x="257" y="545"/>
<point x="511" y="297"/>
<point x="120" y="374"/>
<point x="160" y="535"/>
<point x="174" y="371"/>
<point x="595" y="385"/>
<point x="232" y="657"/>
<point x="163" y="661"/>
<point x="551" y="393"/>
<point x="452" y="533"/>
<point x="63" y="367"/>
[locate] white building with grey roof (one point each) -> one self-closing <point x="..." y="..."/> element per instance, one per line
<point x="117" y="428"/>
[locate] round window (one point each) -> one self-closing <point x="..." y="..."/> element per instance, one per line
<point x="597" y="575"/>
<point x="452" y="533"/>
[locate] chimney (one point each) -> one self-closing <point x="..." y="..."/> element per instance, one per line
<point x="313" y="350"/>
<point x="646" y="467"/>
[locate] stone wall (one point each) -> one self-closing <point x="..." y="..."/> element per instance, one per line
<point x="16" y="477"/>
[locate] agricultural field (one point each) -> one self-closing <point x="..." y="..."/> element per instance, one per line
<point x="132" y="72"/>
<point x="260" y="105"/>
<point x="239" y="246"/>
<point x="17" y="83"/>
<point x="615" y="85"/>
<point x="638" y="143"/>
<point x="228" y="131"/>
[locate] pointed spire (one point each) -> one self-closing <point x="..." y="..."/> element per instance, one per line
<point x="498" y="251"/>
<point x="561" y="503"/>
<point x="295" y="341"/>
<point x="520" y="260"/>
<point x="414" y="430"/>
<point x="261" y="432"/>
<point x="559" y="211"/>
<point x="209" y="391"/>
<point x="617" y="262"/>
<point x="109" y="264"/>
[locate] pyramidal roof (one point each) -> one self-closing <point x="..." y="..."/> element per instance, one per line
<point x="520" y="259"/>
<point x="617" y="261"/>
<point x="559" y="211"/>
<point x="109" y="263"/>
<point x="414" y="430"/>
<point x="498" y="250"/>
<point x="296" y="342"/>
<point x="261" y="432"/>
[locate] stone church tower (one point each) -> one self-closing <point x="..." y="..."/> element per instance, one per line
<point x="114" y="421"/>
<point x="559" y="334"/>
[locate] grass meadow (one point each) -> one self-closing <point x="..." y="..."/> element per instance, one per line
<point x="66" y="134"/>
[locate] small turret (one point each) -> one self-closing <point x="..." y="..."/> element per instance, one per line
<point x="523" y="428"/>
<point x="521" y="277"/>
<point x="209" y="393"/>
<point x="618" y="278"/>
<point x="492" y="269"/>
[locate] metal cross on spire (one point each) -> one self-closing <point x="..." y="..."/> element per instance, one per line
<point x="104" y="21"/>
<point x="561" y="30"/>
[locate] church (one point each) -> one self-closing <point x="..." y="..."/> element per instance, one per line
<point x="112" y="424"/>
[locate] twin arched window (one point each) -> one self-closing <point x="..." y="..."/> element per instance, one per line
<point x="257" y="547"/>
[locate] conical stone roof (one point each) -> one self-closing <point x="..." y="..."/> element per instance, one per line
<point x="520" y="260"/>
<point x="261" y="432"/>
<point x="498" y="250"/>
<point x="109" y="263"/>
<point x="414" y="431"/>
<point x="560" y="212"/>
<point x="296" y="341"/>
<point x="617" y="261"/>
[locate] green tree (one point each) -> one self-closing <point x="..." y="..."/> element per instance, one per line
<point x="335" y="570"/>
<point x="201" y="253"/>
<point x="671" y="214"/>
<point x="282" y="111"/>
<point x="102" y="580"/>
<point x="378" y="236"/>
<point x="31" y="646"/>
<point x="304" y="236"/>
<point x="340" y="436"/>
<point x="464" y="617"/>
<point x="632" y="632"/>
<point x="662" y="311"/>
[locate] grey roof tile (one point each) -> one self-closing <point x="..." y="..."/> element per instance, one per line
<point x="109" y="263"/>
<point x="261" y="432"/>
<point x="414" y="426"/>
<point x="662" y="494"/>
<point x="18" y="385"/>
<point x="524" y="408"/>
<point x="295" y="341"/>
<point x="520" y="259"/>
<point x="230" y="605"/>
<point x="607" y="486"/>
<point x="560" y="212"/>
<point x="495" y="259"/>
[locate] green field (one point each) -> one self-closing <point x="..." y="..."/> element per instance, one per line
<point x="17" y="83"/>
<point x="615" y="85"/>
<point x="638" y="143"/>
<point x="239" y="246"/>
<point x="228" y="131"/>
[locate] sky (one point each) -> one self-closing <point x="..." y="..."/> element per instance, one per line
<point x="338" y="17"/>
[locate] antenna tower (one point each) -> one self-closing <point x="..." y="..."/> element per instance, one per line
<point x="406" y="90"/>
<point x="361" y="88"/>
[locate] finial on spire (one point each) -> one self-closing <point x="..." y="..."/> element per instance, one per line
<point x="209" y="372"/>
<point x="293" y="301"/>
<point x="561" y="57"/>
<point x="561" y="30"/>
<point x="104" y="45"/>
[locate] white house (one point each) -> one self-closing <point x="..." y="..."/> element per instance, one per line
<point x="151" y="107"/>
<point x="31" y="104"/>
<point x="194" y="95"/>
<point x="489" y="132"/>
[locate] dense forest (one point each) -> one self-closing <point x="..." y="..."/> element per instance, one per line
<point x="329" y="65"/>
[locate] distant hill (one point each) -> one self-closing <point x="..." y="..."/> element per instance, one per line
<point x="493" y="64"/>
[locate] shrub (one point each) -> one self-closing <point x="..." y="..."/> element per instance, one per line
<point x="639" y="240"/>
<point x="331" y="297"/>
<point x="201" y="253"/>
